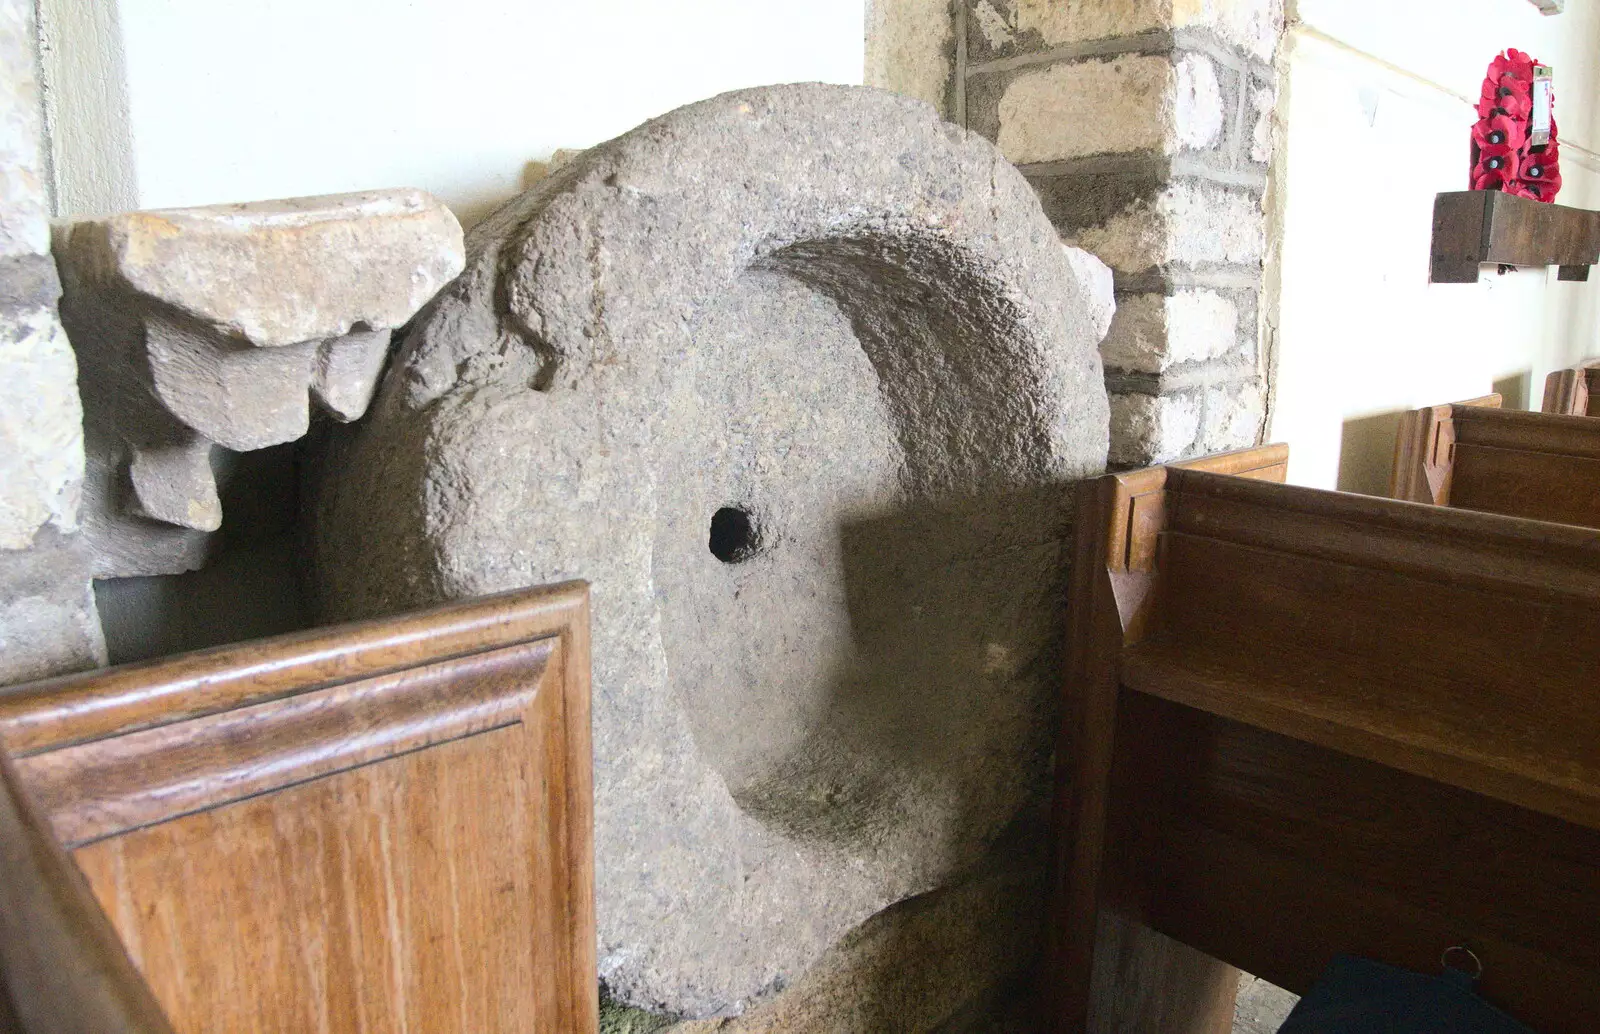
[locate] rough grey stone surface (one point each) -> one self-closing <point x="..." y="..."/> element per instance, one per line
<point x="48" y="623"/>
<point x="41" y="427"/>
<point x="848" y="325"/>
<point x="1006" y="28"/>
<point x="1163" y="182"/>
<point x="957" y="960"/>
<point x="220" y="326"/>
<point x="41" y="437"/>
<point x="1262" y="1007"/>
<point x="300" y="269"/>
<point x="1130" y="103"/>
<point x="24" y="206"/>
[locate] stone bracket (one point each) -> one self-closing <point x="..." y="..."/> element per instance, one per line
<point x="220" y="326"/>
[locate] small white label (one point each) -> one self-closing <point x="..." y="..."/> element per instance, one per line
<point x="1540" y="120"/>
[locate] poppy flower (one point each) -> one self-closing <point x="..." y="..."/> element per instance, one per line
<point x="1495" y="171"/>
<point x="1500" y="134"/>
<point x="1506" y="95"/>
<point x="1502" y="156"/>
<point x="1540" y="174"/>
<point x="1514" y="63"/>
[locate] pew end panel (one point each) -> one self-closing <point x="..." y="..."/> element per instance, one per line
<point x="1574" y="391"/>
<point x="1423" y="449"/>
<point x="1473" y="456"/>
<point x="1113" y="584"/>
<point x="376" y="827"/>
<point x="62" y="966"/>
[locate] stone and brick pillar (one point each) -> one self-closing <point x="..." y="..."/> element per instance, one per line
<point x="48" y="623"/>
<point x="1145" y="125"/>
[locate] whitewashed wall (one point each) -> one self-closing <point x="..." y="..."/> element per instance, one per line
<point x="1375" y="112"/>
<point x="158" y="103"/>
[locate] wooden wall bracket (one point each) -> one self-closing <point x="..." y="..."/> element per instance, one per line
<point x="1473" y="227"/>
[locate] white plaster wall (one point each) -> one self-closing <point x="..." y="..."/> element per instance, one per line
<point x="84" y="82"/>
<point x="1374" y="117"/>
<point x="237" y="99"/>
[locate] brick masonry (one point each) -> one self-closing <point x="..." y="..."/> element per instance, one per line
<point x="1145" y="126"/>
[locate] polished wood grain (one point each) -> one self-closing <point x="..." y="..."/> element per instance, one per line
<point x="122" y="699"/>
<point x="376" y="828"/>
<point x="425" y="912"/>
<point x="1474" y="227"/>
<point x="1112" y="595"/>
<point x="1574" y="391"/>
<point x="1340" y="724"/>
<point x="1537" y="465"/>
<point x="62" y="966"/>
<point x="1279" y="854"/>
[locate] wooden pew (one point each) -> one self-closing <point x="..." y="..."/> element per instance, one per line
<point x="1302" y="723"/>
<point x="1476" y="456"/>
<point x="62" y="968"/>
<point x="380" y="827"/>
<point x="1574" y="392"/>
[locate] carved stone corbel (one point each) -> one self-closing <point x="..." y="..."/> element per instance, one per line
<point x="220" y="326"/>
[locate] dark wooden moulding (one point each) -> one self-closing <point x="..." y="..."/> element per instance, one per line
<point x="1474" y="227"/>
<point x="1301" y="723"/>
<point x="1477" y="456"/>
<point x="378" y="827"/>
<point x="1574" y="391"/>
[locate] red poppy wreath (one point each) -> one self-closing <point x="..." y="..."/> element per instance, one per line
<point x="1514" y="143"/>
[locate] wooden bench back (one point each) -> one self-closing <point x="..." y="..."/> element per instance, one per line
<point x="1317" y="723"/>
<point x="1476" y="456"/>
<point x="374" y="828"/>
<point x="1575" y="391"/>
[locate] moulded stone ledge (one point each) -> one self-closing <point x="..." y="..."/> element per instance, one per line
<point x="221" y="326"/>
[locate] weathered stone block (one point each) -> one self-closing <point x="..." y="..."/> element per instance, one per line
<point x="798" y="377"/>
<point x="220" y="326"/>
<point x="1152" y="333"/>
<point x="1101" y="288"/>
<point x="41" y="427"/>
<point x="1006" y="28"/>
<point x="48" y="623"/>
<point x="1198" y="108"/>
<point x="1129" y="104"/>
<point x="911" y="49"/>
<point x="1263" y="99"/>
<point x="1262" y="1008"/>
<point x="916" y="965"/>
<point x="1252" y="25"/>
<point x="1147" y="429"/>
<point x="24" y="207"/>
<point x="283" y="272"/>
<point x="1190" y="222"/>
<point x="1233" y="417"/>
